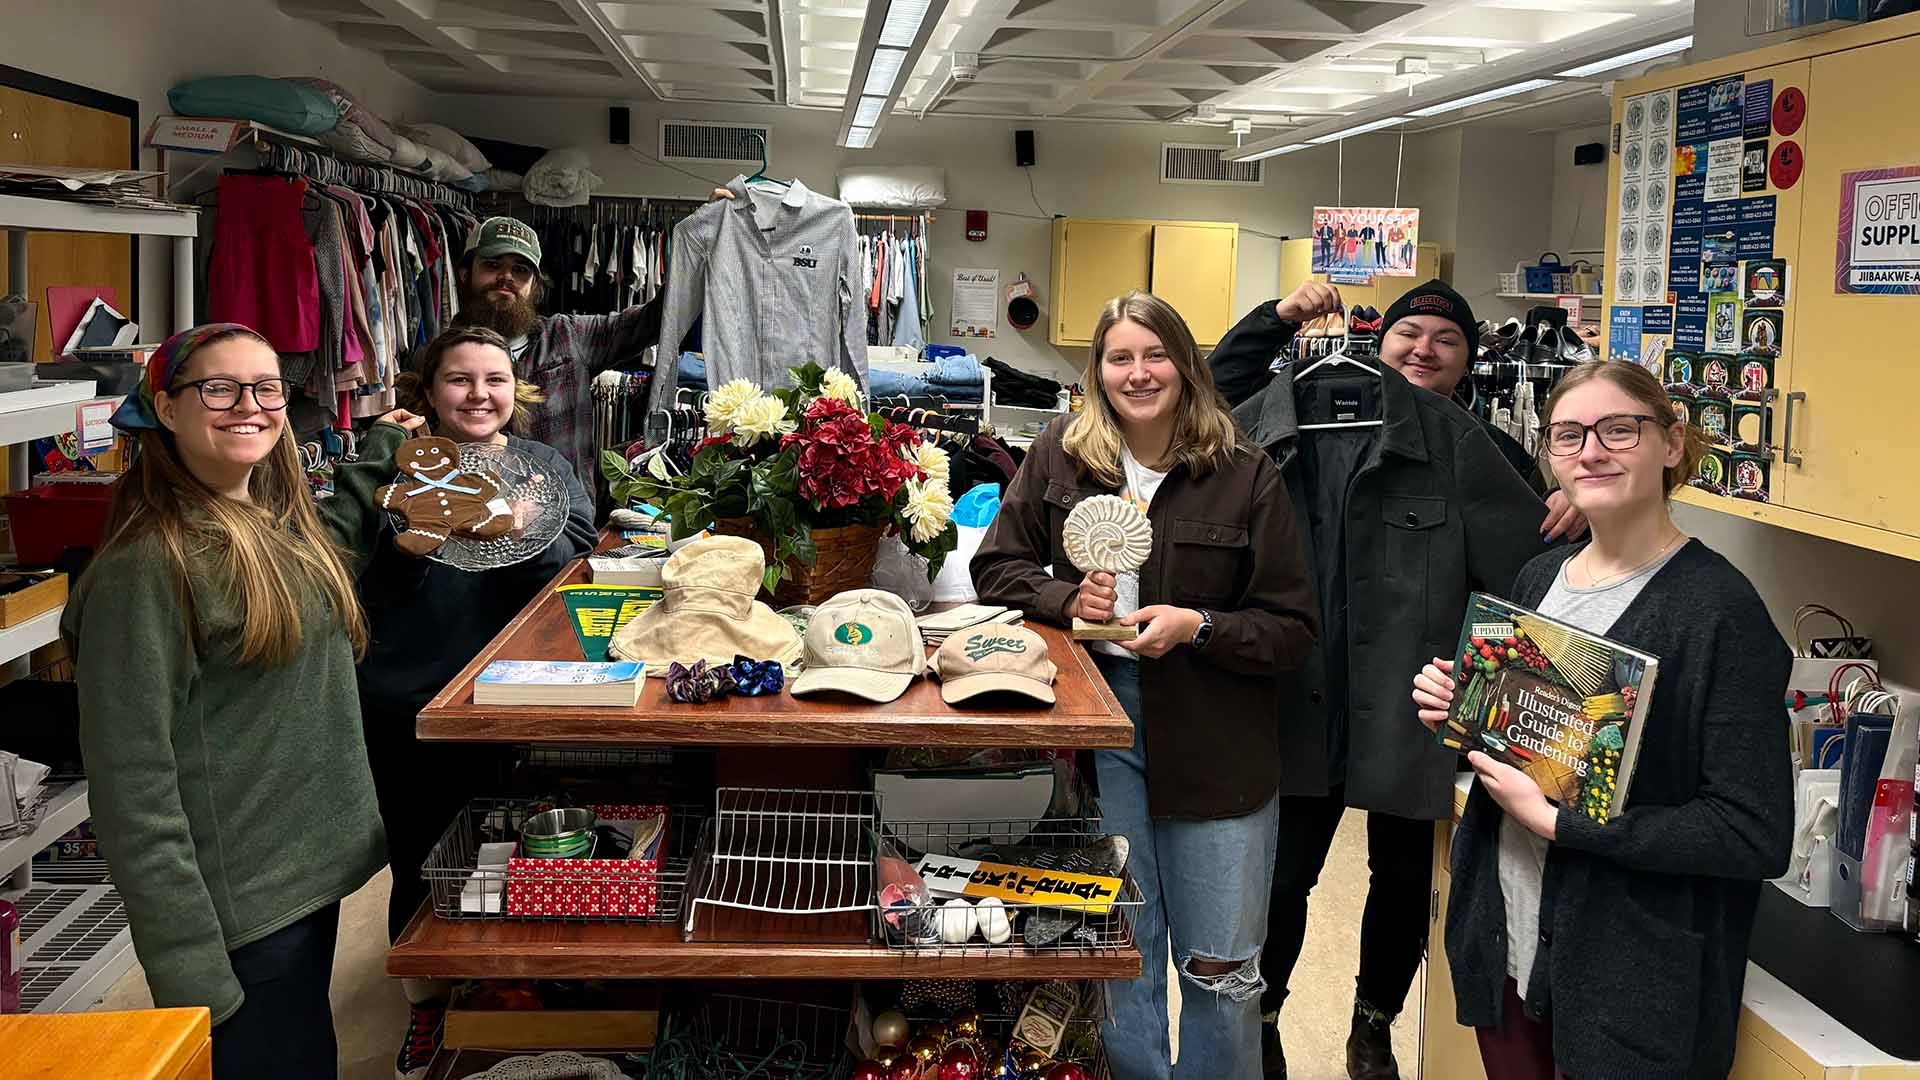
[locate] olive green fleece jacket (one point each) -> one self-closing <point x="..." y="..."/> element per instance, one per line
<point x="230" y="800"/>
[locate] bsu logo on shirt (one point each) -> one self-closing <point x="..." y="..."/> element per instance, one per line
<point x="805" y="257"/>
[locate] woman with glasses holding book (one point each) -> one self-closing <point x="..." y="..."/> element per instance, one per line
<point x="1619" y="949"/>
<point x="213" y="639"/>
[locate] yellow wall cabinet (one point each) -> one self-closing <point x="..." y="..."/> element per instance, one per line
<point x="1843" y="412"/>
<point x="1296" y="264"/>
<point x="1190" y="264"/>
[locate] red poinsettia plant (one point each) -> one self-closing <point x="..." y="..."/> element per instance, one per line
<point x="798" y="459"/>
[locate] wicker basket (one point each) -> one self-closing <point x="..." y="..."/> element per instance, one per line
<point x="843" y="559"/>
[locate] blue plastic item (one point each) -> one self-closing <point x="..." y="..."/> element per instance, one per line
<point x="977" y="507"/>
<point x="935" y="352"/>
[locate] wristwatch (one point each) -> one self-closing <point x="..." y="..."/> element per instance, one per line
<point x="1205" y="633"/>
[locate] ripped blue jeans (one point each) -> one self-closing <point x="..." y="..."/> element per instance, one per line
<point x="1206" y="885"/>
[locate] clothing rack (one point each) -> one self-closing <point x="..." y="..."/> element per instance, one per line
<point x="327" y="169"/>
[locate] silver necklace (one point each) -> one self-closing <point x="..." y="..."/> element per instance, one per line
<point x="1595" y="583"/>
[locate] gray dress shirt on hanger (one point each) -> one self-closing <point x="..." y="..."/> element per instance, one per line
<point x="776" y="278"/>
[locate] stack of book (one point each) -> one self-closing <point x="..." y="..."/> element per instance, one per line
<point x="937" y="628"/>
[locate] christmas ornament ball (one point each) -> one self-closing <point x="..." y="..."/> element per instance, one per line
<point x="923" y="1050"/>
<point x="890" y="1028"/>
<point x="966" y="1023"/>
<point x="868" y="1070"/>
<point x="939" y="1033"/>
<point x="1031" y="1060"/>
<point x="1066" y="1070"/>
<point x="887" y="1053"/>
<point x="959" y="1062"/>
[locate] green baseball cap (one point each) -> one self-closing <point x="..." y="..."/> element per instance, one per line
<point x="504" y="236"/>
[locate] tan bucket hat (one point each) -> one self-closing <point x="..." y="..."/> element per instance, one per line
<point x="863" y="642"/>
<point x="984" y="659"/>
<point x="707" y="611"/>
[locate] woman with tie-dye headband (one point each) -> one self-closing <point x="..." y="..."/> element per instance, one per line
<point x="214" y="638"/>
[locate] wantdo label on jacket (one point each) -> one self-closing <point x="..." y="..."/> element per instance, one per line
<point x="949" y="876"/>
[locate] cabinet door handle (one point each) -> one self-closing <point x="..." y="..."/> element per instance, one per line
<point x="1786" y="435"/>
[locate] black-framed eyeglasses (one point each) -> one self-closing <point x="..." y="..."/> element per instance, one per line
<point x="1621" y="431"/>
<point x="221" y="395"/>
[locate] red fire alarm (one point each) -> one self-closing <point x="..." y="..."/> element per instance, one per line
<point x="976" y="224"/>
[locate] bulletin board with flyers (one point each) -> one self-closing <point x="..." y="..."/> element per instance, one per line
<point x="1699" y="286"/>
<point x="1725" y="204"/>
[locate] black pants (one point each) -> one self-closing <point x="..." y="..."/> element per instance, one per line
<point x="1393" y="929"/>
<point x="285" y="1027"/>
<point x="422" y="787"/>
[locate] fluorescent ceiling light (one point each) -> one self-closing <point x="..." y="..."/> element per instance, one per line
<point x="882" y="71"/>
<point x="859" y="138"/>
<point x="1651" y="52"/>
<point x="1276" y="152"/>
<point x="1485" y="96"/>
<point x="1361" y="129"/>
<point x="903" y="22"/>
<point x="868" y="111"/>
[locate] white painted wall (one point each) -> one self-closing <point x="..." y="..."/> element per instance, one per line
<point x="1579" y="195"/>
<point x="1082" y="170"/>
<point x="141" y="49"/>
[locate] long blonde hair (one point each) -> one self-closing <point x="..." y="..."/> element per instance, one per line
<point x="1639" y="384"/>
<point x="1203" y="429"/>
<point x="413" y="390"/>
<point x="248" y="543"/>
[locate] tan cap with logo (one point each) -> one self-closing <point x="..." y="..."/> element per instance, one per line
<point x="983" y="659"/>
<point x="862" y="642"/>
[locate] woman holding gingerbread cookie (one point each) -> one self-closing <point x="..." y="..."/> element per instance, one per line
<point x="230" y="791"/>
<point x="427" y="619"/>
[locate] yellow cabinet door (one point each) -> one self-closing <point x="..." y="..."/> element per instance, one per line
<point x="1194" y="270"/>
<point x="1850" y="384"/>
<point x="1093" y="262"/>
<point x="1448" y="1051"/>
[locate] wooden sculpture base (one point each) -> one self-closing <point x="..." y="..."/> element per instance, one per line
<point x="1103" y="631"/>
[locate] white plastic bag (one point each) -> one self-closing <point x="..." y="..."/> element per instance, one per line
<point x="955" y="580"/>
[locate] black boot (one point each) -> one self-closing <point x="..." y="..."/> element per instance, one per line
<point x="1370" y="1046"/>
<point x="1273" y="1060"/>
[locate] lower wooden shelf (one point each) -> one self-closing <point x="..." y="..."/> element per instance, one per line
<point x="752" y="947"/>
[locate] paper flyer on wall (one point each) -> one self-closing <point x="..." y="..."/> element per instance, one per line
<point x="976" y="302"/>
<point x="1366" y="240"/>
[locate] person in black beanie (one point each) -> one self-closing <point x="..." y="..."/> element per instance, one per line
<point x="1427" y="335"/>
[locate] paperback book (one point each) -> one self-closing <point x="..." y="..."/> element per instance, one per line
<point x="558" y="682"/>
<point x="1562" y="705"/>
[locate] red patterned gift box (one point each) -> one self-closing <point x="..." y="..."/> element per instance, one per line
<point x="593" y="888"/>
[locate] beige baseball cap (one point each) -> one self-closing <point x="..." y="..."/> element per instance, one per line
<point x="984" y="659"/>
<point x="862" y="642"/>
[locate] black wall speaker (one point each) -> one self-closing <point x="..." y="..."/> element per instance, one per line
<point x="1023" y="147"/>
<point x="619" y="125"/>
<point x="1592" y="153"/>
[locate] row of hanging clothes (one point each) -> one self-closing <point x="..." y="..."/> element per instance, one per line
<point x="344" y="268"/>
<point x="608" y="255"/>
<point x="893" y="267"/>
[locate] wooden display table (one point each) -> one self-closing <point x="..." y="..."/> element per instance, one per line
<point x="772" y="741"/>
<point x="1085" y="716"/>
<point x="155" y="1044"/>
<point x="1782" y="1035"/>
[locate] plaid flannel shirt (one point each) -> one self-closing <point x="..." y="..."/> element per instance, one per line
<point x="562" y="360"/>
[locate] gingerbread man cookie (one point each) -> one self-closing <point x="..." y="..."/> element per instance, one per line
<point x="437" y="499"/>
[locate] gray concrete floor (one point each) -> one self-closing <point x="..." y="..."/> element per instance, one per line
<point x="369" y="1010"/>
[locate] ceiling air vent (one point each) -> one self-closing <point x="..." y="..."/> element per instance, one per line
<point x="722" y="144"/>
<point x="1192" y="163"/>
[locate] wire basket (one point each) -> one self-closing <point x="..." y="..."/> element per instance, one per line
<point x="1097" y="925"/>
<point x="785" y="852"/>
<point x="452" y="869"/>
<point x="804" y="1037"/>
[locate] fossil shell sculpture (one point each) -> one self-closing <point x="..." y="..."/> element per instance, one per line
<point x="1107" y="532"/>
